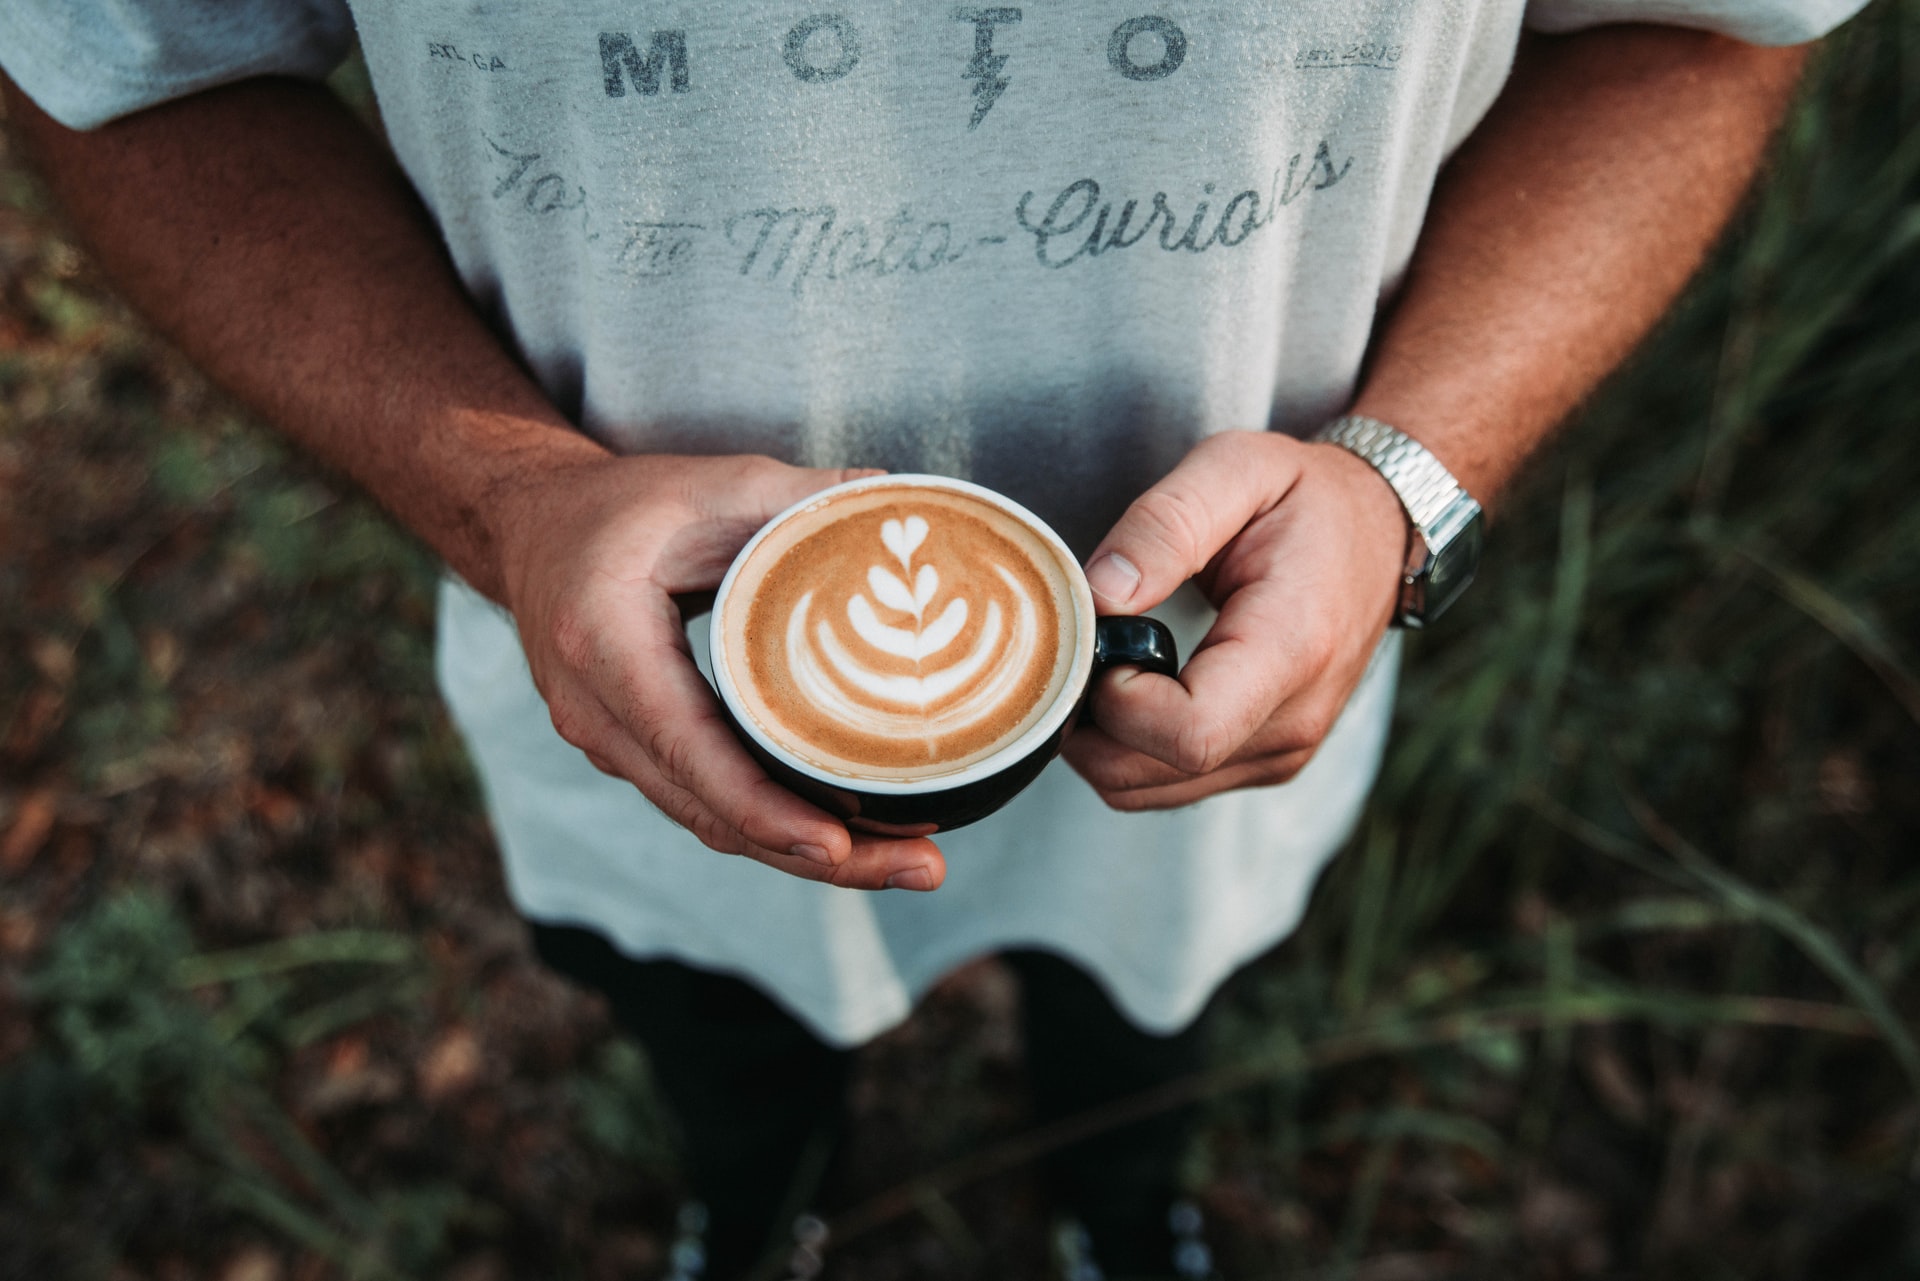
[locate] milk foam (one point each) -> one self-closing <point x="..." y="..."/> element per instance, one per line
<point x="843" y="685"/>
<point x="906" y="630"/>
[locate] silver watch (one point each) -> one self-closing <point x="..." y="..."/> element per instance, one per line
<point x="1444" y="547"/>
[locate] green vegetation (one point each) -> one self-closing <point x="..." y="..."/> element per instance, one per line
<point x="1618" y="977"/>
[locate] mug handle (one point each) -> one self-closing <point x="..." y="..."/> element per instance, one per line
<point x="1130" y="640"/>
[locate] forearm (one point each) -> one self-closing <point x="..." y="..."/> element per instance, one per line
<point x="267" y="233"/>
<point x="1563" y="229"/>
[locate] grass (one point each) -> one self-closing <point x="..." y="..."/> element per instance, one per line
<point x="1618" y="978"/>
<point x="1665" y="768"/>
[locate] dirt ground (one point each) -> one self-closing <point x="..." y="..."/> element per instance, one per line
<point x="1618" y="979"/>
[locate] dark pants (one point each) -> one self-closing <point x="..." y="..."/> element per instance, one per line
<point x="756" y="1094"/>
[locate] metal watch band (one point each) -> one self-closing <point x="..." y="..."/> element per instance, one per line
<point x="1426" y="488"/>
<point x="1444" y="516"/>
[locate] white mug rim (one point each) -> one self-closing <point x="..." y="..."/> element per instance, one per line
<point x="1036" y="735"/>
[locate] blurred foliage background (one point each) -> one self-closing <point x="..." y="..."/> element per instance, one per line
<point x="1618" y="979"/>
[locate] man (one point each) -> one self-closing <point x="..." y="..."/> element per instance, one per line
<point x="678" y="266"/>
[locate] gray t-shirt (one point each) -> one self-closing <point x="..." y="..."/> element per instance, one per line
<point x="1045" y="247"/>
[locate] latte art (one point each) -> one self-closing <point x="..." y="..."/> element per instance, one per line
<point x="867" y="697"/>
<point x="900" y="632"/>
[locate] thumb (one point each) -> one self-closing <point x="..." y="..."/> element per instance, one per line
<point x="770" y="487"/>
<point x="711" y="507"/>
<point x="1170" y="532"/>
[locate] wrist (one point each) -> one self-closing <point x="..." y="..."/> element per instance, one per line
<point x="518" y="475"/>
<point x="1445" y="548"/>
<point x="1385" y="536"/>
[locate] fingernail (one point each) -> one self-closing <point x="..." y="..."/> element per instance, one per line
<point x="914" y="878"/>
<point x="1114" y="578"/>
<point x="813" y="854"/>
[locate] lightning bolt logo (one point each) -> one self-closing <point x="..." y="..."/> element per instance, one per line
<point x="989" y="84"/>
<point x="985" y="67"/>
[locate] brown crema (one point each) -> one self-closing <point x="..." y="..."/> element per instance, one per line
<point x="900" y="632"/>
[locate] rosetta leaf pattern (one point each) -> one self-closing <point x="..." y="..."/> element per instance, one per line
<point x="911" y="591"/>
<point x="890" y="591"/>
<point x="844" y="683"/>
<point x="903" y="538"/>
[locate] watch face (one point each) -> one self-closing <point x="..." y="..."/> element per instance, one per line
<point x="1452" y="570"/>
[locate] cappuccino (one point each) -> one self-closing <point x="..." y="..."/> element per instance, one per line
<point x="900" y="631"/>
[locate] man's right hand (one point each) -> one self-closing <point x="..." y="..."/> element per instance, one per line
<point x="592" y="556"/>
<point x="264" y="229"/>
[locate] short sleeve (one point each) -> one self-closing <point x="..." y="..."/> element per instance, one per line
<point x="86" y="62"/>
<point x="1770" y="22"/>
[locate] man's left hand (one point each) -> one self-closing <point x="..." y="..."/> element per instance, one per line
<point x="1301" y="548"/>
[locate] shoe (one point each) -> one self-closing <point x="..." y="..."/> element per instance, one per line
<point x="687" y="1256"/>
<point x="1189" y="1259"/>
<point x="1192" y="1257"/>
<point x="809" y="1248"/>
<point x="1073" y="1253"/>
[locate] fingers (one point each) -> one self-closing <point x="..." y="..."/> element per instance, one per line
<point x="590" y="725"/>
<point x="889" y="863"/>
<point x="1207" y="510"/>
<point x="1123" y="775"/>
<point x="1252" y="685"/>
<point x="762" y="488"/>
<point x="603" y="564"/>
<point x="853" y="861"/>
<point x="1173" y="530"/>
<point x="1294" y="632"/>
<point x="1264" y="774"/>
<point x="642" y="707"/>
<point x="679" y="727"/>
<point x="1302" y="547"/>
<point x="695" y="514"/>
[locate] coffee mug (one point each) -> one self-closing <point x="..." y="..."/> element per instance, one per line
<point x="908" y="652"/>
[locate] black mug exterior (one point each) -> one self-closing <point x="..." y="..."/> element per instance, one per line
<point x="1118" y="641"/>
